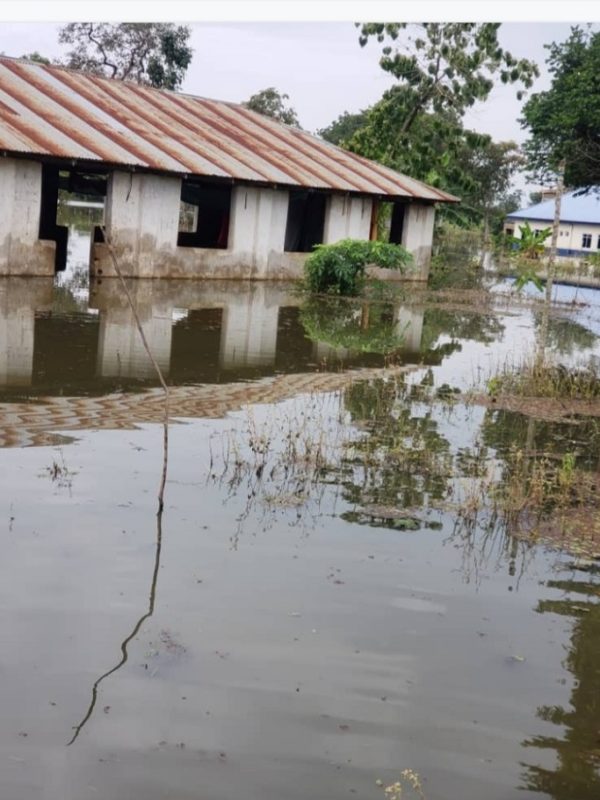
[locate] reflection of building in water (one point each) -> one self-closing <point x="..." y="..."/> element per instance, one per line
<point x="202" y="331"/>
<point x="247" y="315"/>
<point x="249" y="330"/>
<point x="121" y="353"/>
<point x="20" y="298"/>
<point x="409" y="327"/>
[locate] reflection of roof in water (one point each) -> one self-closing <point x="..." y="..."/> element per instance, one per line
<point x="26" y="424"/>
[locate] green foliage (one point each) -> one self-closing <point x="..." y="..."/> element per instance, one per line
<point x="339" y="268"/>
<point x="152" y="53"/>
<point x="416" y="128"/>
<point x="531" y="243"/>
<point x="535" y="198"/>
<point x="443" y="66"/>
<point x="526" y="252"/>
<point x="537" y="379"/>
<point x="36" y="57"/>
<point x="442" y="153"/>
<point x="271" y="103"/>
<point x="342" y="129"/>
<point x="564" y="121"/>
<point x="528" y="275"/>
<point x="360" y="328"/>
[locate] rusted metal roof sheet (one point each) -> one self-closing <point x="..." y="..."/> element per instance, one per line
<point x="58" y="112"/>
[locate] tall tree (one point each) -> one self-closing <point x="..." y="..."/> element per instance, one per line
<point x="440" y="151"/>
<point x="564" y="121"/>
<point x="153" y="53"/>
<point x="271" y="103"/>
<point x="491" y="168"/>
<point x="445" y="66"/>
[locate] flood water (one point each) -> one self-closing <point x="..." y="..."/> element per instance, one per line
<point x="308" y="618"/>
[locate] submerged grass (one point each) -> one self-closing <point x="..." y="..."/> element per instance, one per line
<point x="539" y="498"/>
<point x="549" y="380"/>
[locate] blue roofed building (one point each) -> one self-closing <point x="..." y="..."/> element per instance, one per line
<point x="579" y="232"/>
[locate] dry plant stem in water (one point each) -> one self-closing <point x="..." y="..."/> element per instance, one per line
<point x="163" y="479"/>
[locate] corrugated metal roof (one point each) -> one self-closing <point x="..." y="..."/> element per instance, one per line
<point x="58" y="112"/>
<point x="584" y="208"/>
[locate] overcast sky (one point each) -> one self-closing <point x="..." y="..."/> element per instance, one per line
<point x="320" y="65"/>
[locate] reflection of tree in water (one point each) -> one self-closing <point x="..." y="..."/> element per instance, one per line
<point x="402" y="461"/>
<point x="473" y="325"/>
<point x="503" y="429"/>
<point x="361" y="327"/>
<point x="577" y="773"/>
<point x="565" y="336"/>
<point x="368" y="327"/>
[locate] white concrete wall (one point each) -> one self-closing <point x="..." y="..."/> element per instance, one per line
<point x="257" y="225"/>
<point x="347" y="218"/>
<point x="16" y="353"/>
<point x="20" y="299"/>
<point x="142" y="220"/>
<point x="21" y="251"/>
<point x="121" y="353"/>
<point x="417" y="235"/>
<point x="249" y="331"/>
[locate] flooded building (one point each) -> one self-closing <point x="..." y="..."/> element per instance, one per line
<point x="193" y="188"/>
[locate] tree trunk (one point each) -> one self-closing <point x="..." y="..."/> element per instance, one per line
<point x="485" y="241"/>
<point x="551" y="266"/>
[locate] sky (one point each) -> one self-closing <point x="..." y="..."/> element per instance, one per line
<point x="320" y="65"/>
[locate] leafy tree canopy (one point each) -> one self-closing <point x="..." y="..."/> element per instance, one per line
<point x="440" y="152"/>
<point x="342" y="129"/>
<point x="152" y="53"/>
<point x="564" y="121"/>
<point x="445" y="66"/>
<point x="271" y="103"/>
<point x="37" y="57"/>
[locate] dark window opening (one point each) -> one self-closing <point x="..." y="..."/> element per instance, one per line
<point x="509" y="231"/>
<point x="204" y="217"/>
<point x="195" y="346"/>
<point x="305" y="221"/>
<point x="397" y="223"/>
<point x="387" y="222"/>
<point x="586" y="240"/>
<point x="49" y="230"/>
<point x="64" y="352"/>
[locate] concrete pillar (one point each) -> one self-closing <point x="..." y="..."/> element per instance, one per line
<point x="417" y="235"/>
<point x="408" y="324"/>
<point x="121" y="353"/>
<point x="347" y="218"/>
<point x="21" y="250"/>
<point x="257" y="226"/>
<point x="142" y="220"/>
<point x="19" y="301"/>
<point x="249" y="331"/>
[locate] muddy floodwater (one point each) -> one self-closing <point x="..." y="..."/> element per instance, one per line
<point x="312" y="615"/>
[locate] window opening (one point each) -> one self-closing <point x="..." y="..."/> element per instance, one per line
<point x="204" y="215"/>
<point x="305" y="221"/>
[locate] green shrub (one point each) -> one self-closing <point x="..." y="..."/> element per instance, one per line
<point x="340" y="268"/>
